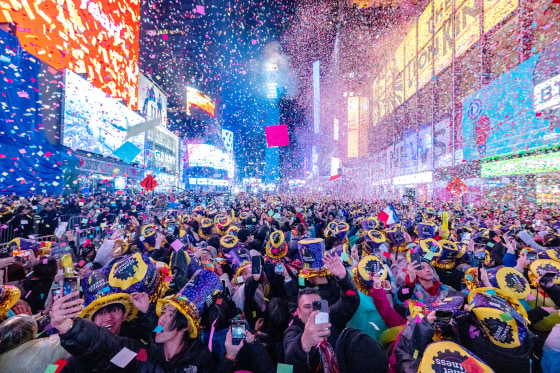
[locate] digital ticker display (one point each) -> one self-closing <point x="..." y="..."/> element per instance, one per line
<point x="96" y="37"/>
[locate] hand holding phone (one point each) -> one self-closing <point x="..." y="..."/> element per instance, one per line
<point x="256" y="265"/>
<point x="323" y="307"/>
<point x="237" y="331"/>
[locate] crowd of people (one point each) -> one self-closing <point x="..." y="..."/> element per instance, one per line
<point x="277" y="283"/>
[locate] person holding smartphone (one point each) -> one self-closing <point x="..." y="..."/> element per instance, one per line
<point x="422" y="283"/>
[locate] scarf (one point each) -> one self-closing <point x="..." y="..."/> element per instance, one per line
<point x="328" y="357"/>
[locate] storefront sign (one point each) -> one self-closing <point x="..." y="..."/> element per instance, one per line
<point x="528" y="165"/>
<point x="424" y="177"/>
<point x="105" y="168"/>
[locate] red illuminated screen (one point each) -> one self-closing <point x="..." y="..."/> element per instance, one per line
<point x="195" y="98"/>
<point x="97" y="37"/>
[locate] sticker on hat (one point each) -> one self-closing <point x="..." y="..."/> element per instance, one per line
<point x="446" y="357"/>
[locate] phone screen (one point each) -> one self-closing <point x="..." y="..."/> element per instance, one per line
<point x="279" y="268"/>
<point x="531" y="256"/>
<point x="171" y="228"/>
<point x="466" y="238"/>
<point x="416" y="257"/>
<point x="70" y="285"/>
<point x="256" y="264"/>
<point x="479" y="251"/>
<point x="237" y="331"/>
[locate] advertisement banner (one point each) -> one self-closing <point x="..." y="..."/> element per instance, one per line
<point x="425" y="148"/>
<point x="399" y="158"/>
<point x="500" y="118"/>
<point x="411" y="152"/>
<point x="96" y="123"/>
<point x="94" y="37"/>
<point x="443" y="146"/>
<point x="152" y="101"/>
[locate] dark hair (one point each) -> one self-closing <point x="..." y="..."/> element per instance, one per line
<point x="300" y="229"/>
<point x="275" y="225"/>
<point x="360" y="246"/>
<point x="108" y="309"/>
<point x="16" y="272"/>
<point x="214" y="241"/>
<point x="276" y="318"/>
<point x="46" y="270"/>
<point x="218" y="313"/>
<point x="330" y="243"/>
<point x="194" y="225"/>
<point x="307" y="291"/>
<point x="180" y="322"/>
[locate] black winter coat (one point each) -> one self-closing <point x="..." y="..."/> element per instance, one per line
<point x="340" y="313"/>
<point x="89" y="342"/>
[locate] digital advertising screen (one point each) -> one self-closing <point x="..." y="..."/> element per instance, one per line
<point x="152" y="102"/>
<point x="204" y="155"/>
<point x="96" y="123"/>
<point x="501" y="119"/>
<point x="97" y="37"/>
<point x="197" y="99"/>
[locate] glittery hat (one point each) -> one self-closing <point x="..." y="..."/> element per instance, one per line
<point x="276" y="247"/>
<point x="20" y="244"/>
<point x="541" y="266"/>
<point x="373" y="240"/>
<point x="149" y="232"/>
<point x="342" y="230"/>
<point x="510" y="281"/>
<point x="9" y="295"/>
<point x="222" y="225"/>
<point x="445" y="356"/>
<point x="367" y="268"/>
<point x="312" y="251"/>
<point x="427" y="229"/>
<point x="206" y="228"/>
<point x="502" y="318"/>
<point x="331" y="229"/>
<point x="196" y="296"/>
<point x="396" y="235"/>
<point x="114" y="284"/>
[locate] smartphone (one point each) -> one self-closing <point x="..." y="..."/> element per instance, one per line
<point x="170" y="229"/>
<point x="416" y="257"/>
<point x="279" y="268"/>
<point x="256" y="265"/>
<point x="479" y="251"/>
<point x="237" y="331"/>
<point x="70" y="285"/>
<point x="323" y="307"/>
<point x="466" y="238"/>
<point x="444" y="317"/>
<point x="531" y="256"/>
<point x="547" y="277"/>
<point x="55" y="293"/>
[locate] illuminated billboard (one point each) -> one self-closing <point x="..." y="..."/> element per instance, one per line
<point x="94" y="37"/>
<point x="443" y="27"/>
<point x="204" y="155"/>
<point x="96" y="123"/>
<point x="197" y="99"/>
<point x="152" y="102"/>
<point x="518" y="166"/>
<point x="353" y="126"/>
<point x="335" y="166"/>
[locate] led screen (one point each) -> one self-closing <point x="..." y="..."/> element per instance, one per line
<point x="94" y="122"/>
<point x="97" y="37"/>
<point x="204" y="155"/>
<point x="195" y="98"/>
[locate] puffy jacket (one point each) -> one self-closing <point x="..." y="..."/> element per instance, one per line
<point x="85" y="339"/>
<point x="340" y="313"/>
<point x="415" y="337"/>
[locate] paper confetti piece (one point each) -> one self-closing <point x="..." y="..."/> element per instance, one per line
<point x="506" y="316"/>
<point x="158" y="329"/>
<point x="301" y="281"/>
<point x="123" y="357"/>
<point x="177" y="245"/>
<point x="142" y="355"/>
<point x="284" y="368"/>
<point x="405" y="290"/>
